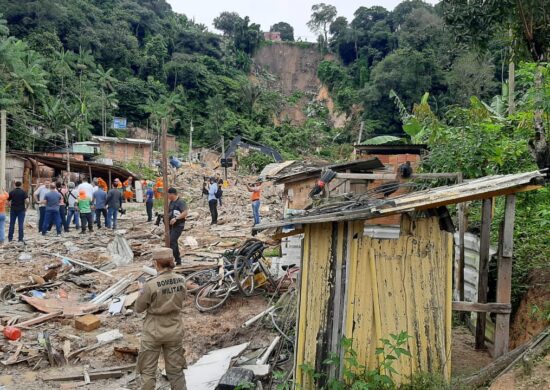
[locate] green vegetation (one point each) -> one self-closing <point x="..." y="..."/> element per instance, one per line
<point x="358" y="376"/>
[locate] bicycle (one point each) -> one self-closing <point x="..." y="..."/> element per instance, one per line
<point x="249" y="265"/>
<point x="214" y="294"/>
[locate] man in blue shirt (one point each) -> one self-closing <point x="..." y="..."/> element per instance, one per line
<point x="175" y="162"/>
<point x="51" y="202"/>
<point x="100" y="203"/>
<point x="213" y="200"/>
<point x="149" y="197"/>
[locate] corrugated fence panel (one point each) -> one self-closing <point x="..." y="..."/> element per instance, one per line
<point x="391" y="285"/>
<point x="411" y="276"/>
<point x="314" y="297"/>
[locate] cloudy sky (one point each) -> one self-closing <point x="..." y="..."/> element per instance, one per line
<point x="267" y="13"/>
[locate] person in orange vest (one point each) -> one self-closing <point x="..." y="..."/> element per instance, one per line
<point x="128" y="191"/>
<point x="158" y="188"/>
<point x="102" y="183"/>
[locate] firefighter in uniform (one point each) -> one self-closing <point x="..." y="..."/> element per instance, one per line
<point x="162" y="298"/>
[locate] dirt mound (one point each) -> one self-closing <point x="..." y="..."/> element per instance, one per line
<point x="530" y="319"/>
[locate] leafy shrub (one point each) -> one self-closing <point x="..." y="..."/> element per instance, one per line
<point x="254" y="162"/>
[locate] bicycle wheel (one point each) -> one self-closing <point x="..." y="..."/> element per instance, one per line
<point x="197" y="280"/>
<point x="212" y="296"/>
<point x="244" y="275"/>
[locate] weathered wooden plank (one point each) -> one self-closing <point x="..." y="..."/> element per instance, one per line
<point x="508" y="230"/>
<point x="504" y="277"/>
<point x="448" y="299"/>
<point x="483" y="279"/>
<point x="428" y="176"/>
<point x="302" y="305"/>
<point x="366" y="176"/>
<point x="498" y="308"/>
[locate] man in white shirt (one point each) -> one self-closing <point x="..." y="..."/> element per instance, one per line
<point x="86" y="186"/>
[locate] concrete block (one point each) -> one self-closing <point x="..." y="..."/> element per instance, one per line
<point x="87" y="323"/>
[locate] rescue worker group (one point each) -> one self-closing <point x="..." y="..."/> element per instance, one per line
<point x="86" y="204"/>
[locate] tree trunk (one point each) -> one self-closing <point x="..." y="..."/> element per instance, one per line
<point x="540" y="149"/>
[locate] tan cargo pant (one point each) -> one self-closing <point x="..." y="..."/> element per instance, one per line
<point x="174" y="359"/>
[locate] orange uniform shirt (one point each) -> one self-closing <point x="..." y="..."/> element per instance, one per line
<point x="3" y="201"/>
<point x="255" y="195"/>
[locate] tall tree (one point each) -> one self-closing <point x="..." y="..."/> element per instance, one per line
<point x="286" y="30"/>
<point x="321" y="17"/>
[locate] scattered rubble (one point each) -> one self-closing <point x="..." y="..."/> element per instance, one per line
<point x="71" y="297"/>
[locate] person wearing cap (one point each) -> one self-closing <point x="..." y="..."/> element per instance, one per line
<point x="84" y="205"/>
<point x="255" y="199"/>
<point x="177" y="209"/>
<point x="72" y="211"/>
<point x="162" y="299"/>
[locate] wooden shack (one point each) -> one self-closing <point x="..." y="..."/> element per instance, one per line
<point x="365" y="289"/>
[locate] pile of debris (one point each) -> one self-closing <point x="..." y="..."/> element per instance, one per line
<point x="66" y="302"/>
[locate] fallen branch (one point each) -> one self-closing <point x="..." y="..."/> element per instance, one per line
<point x="503" y="363"/>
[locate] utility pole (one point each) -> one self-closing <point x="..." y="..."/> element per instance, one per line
<point x="189" y="157"/>
<point x="165" y="185"/>
<point x="223" y="156"/>
<point x="360" y="133"/>
<point x="68" y="156"/>
<point x="2" y="150"/>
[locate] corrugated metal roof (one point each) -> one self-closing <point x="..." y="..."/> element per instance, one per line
<point x="366" y="208"/>
<point x="122" y="140"/>
<point x="357" y="166"/>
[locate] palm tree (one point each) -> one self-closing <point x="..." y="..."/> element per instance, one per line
<point x="105" y="81"/>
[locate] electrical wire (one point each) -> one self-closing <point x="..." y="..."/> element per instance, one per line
<point x="15" y="129"/>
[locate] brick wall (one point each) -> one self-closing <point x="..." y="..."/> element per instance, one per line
<point x="123" y="152"/>
<point x="392" y="163"/>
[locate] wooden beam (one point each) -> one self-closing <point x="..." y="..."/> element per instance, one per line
<point x="483" y="275"/>
<point x="499" y="308"/>
<point x="279" y="236"/>
<point x="504" y="276"/>
<point x="366" y="176"/>
<point x="430" y="176"/>
<point x="461" y="214"/>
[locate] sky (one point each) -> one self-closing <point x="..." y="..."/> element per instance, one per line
<point x="267" y="13"/>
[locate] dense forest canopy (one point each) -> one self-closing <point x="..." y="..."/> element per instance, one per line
<point x="75" y="64"/>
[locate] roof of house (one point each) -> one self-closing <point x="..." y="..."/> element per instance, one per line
<point x="299" y="172"/>
<point x="363" y="207"/>
<point x="97" y="169"/>
<point x="122" y="140"/>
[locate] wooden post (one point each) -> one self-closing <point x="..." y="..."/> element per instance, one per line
<point x="461" y="253"/>
<point x="190" y="155"/>
<point x="68" y="155"/>
<point x="165" y="189"/>
<point x="483" y="278"/>
<point x="90" y="174"/>
<point x="504" y="278"/>
<point x="2" y="150"/>
<point x="110" y="182"/>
